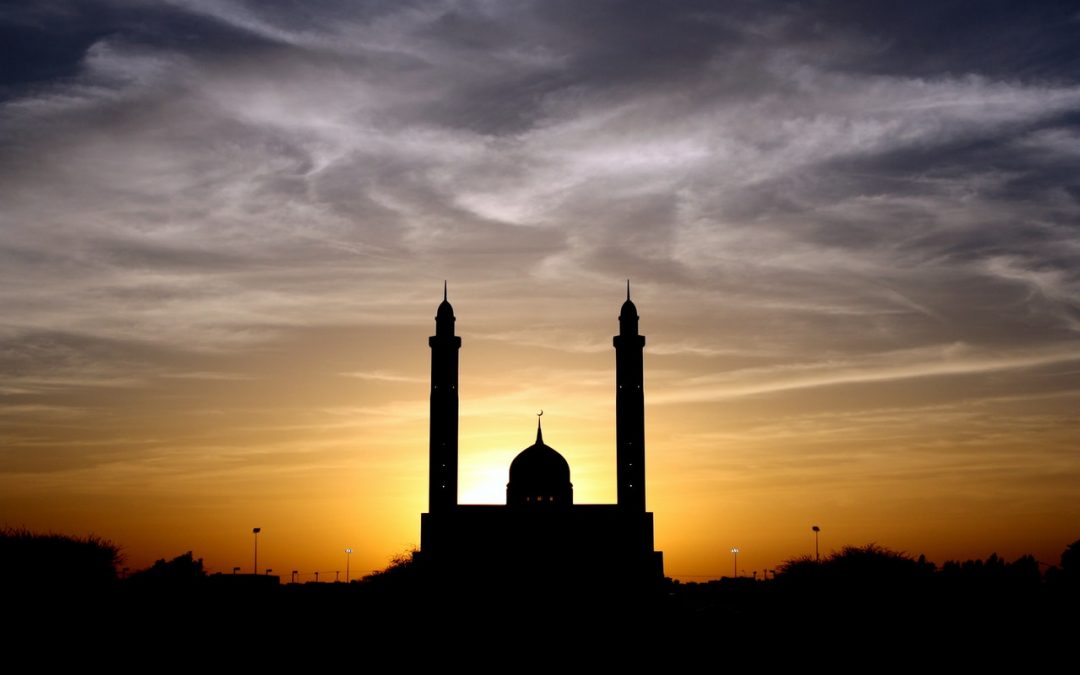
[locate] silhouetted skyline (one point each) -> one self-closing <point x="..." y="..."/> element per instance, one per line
<point x="854" y="224"/>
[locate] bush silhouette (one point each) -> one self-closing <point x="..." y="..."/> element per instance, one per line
<point x="854" y="564"/>
<point x="32" y="562"/>
<point x="402" y="567"/>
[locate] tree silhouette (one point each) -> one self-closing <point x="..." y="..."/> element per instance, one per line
<point x="182" y="571"/>
<point x="1066" y="578"/>
<point x="1070" y="560"/>
<point x="857" y="586"/>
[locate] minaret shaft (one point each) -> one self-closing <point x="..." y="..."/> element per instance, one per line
<point x="630" y="410"/>
<point x="443" y="440"/>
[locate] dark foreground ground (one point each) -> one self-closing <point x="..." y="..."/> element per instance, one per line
<point x="862" y="609"/>
<point x="734" y="621"/>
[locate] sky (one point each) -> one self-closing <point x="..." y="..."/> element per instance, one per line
<point x="852" y="231"/>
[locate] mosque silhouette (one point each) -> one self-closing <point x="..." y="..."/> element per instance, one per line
<point x="540" y="538"/>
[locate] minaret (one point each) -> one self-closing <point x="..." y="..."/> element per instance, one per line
<point x="442" y="473"/>
<point x="630" y="409"/>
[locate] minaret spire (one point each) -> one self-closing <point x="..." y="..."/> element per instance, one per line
<point x="445" y="300"/>
<point x="539" y="431"/>
<point x="628" y="290"/>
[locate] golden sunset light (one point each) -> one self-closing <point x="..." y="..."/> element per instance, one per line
<point x="225" y="230"/>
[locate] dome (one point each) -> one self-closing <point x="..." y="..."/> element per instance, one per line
<point x="539" y="475"/>
<point x="444" y="316"/>
<point x="445" y="311"/>
<point x="540" y="464"/>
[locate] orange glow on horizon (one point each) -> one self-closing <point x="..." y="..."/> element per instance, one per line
<point x="322" y="450"/>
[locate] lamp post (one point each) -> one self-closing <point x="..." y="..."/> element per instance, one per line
<point x="348" y="555"/>
<point x="735" y="552"/>
<point x="235" y="570"/>
<point x="294" y="573"/>
<point x="316" y="576"/>
<point x="817" y="551"/>
<point x="256" y="531"/>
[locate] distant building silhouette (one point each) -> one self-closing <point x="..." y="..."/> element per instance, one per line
<point x="540" y="538"/>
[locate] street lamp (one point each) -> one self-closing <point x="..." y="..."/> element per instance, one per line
<point x="348" y="555"/>
<point x="294" y="573"/>
<point x="256" y="531"/>
<point x="235" y="570"/>
<point x="817" y="551"/>
<point x="735" y="552"/>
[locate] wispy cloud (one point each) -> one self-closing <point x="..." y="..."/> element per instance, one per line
<point x="208" y="375"/>
<point x="382" y="376"/>
<point x="937" y="361"/>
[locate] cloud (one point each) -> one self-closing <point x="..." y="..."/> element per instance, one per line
<point x="383" y="376"/>
<point x="215" y="190"/>
<point x="207" y="176"/>
<point x="925" y="362"/>
<point x="207" y="375"/>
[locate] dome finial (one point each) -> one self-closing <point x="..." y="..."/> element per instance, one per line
<point x="444" y="289"/>
<point x="628" y="289"/>
<point x="539" y="432"/>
